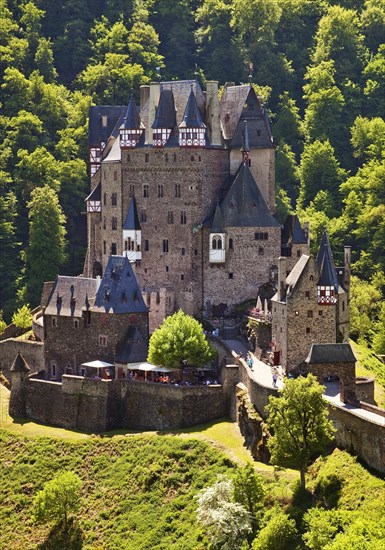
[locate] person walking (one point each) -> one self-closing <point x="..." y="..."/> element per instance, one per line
<point x="275" y="378"/>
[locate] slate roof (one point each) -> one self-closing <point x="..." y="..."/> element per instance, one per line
<point x="98" y="133"/>
<point x="96" y="194"/>
<point x="135" y="349"/>
<point x="330" y="353"/>
<point x="192" y="117"/>
<point x="325" y="262"/>
<point x="244" y="205"/>
<point x="119" y="291"/>
<point x="181" y="90"/>
<point x="132" y="219"/>
<point x="239" y="103"/>
<point x="131" y="119"/>
<point x="165" y="114"/>
<point x="293" y="278"/>
<point x="19" y="364"/>
<point x="68" y="295"/>
<point x="217" y="225"/>
<point x="292" y="232"/>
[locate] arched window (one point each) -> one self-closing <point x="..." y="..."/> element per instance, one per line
<point x="219" y="246"/>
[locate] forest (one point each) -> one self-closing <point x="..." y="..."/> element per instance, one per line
<point x="318" y="65"/>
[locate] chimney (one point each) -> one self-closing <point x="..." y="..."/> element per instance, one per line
<point x="152" y="105"/>
<point x="144" y="95"/>
<point x="212" y="113"/>
<point x="281" y="278"/>
<point x="306" y="230"/>
<point x="347" y="266"/>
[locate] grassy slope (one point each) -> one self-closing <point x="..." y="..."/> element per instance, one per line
<point x="368" y="364"/>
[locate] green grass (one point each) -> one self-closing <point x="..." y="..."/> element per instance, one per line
<point x="368" y="364"/>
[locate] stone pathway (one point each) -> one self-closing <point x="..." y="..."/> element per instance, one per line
<point x="263" y="375"/>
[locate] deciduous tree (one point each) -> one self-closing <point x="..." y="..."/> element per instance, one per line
<point x="58" y="499"/>
<point x="299" y="421"/>
<point x="180" y="338"/>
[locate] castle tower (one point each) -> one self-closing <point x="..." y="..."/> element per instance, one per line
<point x="19" y="378"/>
<point x="165" y="119"/>
<point x="327" y="285"/>
<point x="192" y="129"/>
<point x="132" y="234"/>
<point x="131" y="130"/>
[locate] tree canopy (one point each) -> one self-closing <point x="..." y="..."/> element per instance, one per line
<point x="299" y="422"/>
<point x="179" y="341"/>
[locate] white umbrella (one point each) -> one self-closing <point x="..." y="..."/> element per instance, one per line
<point x="97" y="364"/>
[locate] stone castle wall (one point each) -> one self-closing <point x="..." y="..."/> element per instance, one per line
<point x="101" y="405"/>
<point x="32" y="351"/>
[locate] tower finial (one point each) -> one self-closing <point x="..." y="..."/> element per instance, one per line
<point x="245" y="144"/>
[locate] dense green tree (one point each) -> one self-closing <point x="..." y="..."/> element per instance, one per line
<point x="299" y="422"/>
<point x="249" y="491"/>
<point x="59" y="498"/>
<point x="44" y="60"/>
<point x="46" y="248"/>
<point x="319" y="171"/>
<point x="373" y="23"/>
<point x="368" y="137"/>
<point x="365" y="303"/>
<point x="219" y="50"/>
<point x="278" y="533"/>
<point x="287" y="124"/>
<point x="379" y="330"/>
<point x="339" y="39"/>
<point x="179" y="339"/>
<point x="22" y="318"/>
<point x="374" y="74"/>
<point x="9" y="262"/>
<point x="286" y="171"/>
<point x="174" y="22"/>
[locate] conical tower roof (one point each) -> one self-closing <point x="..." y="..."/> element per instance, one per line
<point x="192" y="117"/>
<point x="325" y="262"/>
<point x="165" y="114"/>
<point x="20" y="364"/>
<point x="244" y="205"/>
<point x="132" y="218"/>
<point x="217" y="225"/>
<point x="132" y="120"/>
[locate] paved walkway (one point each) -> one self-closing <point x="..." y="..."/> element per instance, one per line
<point x="263" y="375"/>
<point x="260" y="371"/>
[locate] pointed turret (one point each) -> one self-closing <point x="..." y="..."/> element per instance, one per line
<point x="192" y="129"/>
<point x="131" y="129"/>
<point x="19" y="377"/>
<point x="20" y="364"/>
<point x="165" y="119"/>
<point x="217" y="250"/>
<point x="132" y="234"/>
<point x="327" y="284"/>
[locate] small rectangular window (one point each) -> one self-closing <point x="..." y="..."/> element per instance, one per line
<point x="113" y="249"/>
<point x="114" y="199"/>
<point x="146" y="245"/>
<point x="309" y="314"/>
<point x="231" y="275"/>
<point x="104" y="247"/>
<point x="177" y="190"/>
<point x="182" y="277"/>
<point x="183" y="217"/>
<point x="146" y="157"/>
<point x="183" y="251"/>
<point x="170" y="217"/>
<point x="160" y="191"/>
<point x="307" y="294"/>
<point x="102" y="341"/>
<point x="131" y="191"/>
<point x="143" y="216"/>
<point x="104" y="199"/>
<point x="307" y="330"/>
<point x="114" y="223"/>
<point x="115" y="175"/>
<point x="166" y="268"/>
<point x="54" y="322"/>
<point x="146" y="191"/>
<point x="165" y="245"/>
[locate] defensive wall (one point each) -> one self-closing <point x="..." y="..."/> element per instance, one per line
<point x="359" y="436"/>
<point x="102" y="405"/>
<point x="33" y="353"/>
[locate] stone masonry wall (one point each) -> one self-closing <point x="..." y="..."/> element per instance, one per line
<point x="33" y="352"/>
<point x="346" y="372"/>
<point x="68" y="346"/>
<point x="101" y="405"/>
<point x="245" y="269"/>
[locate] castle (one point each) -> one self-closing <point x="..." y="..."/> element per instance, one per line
<point x="184" y="187"/>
